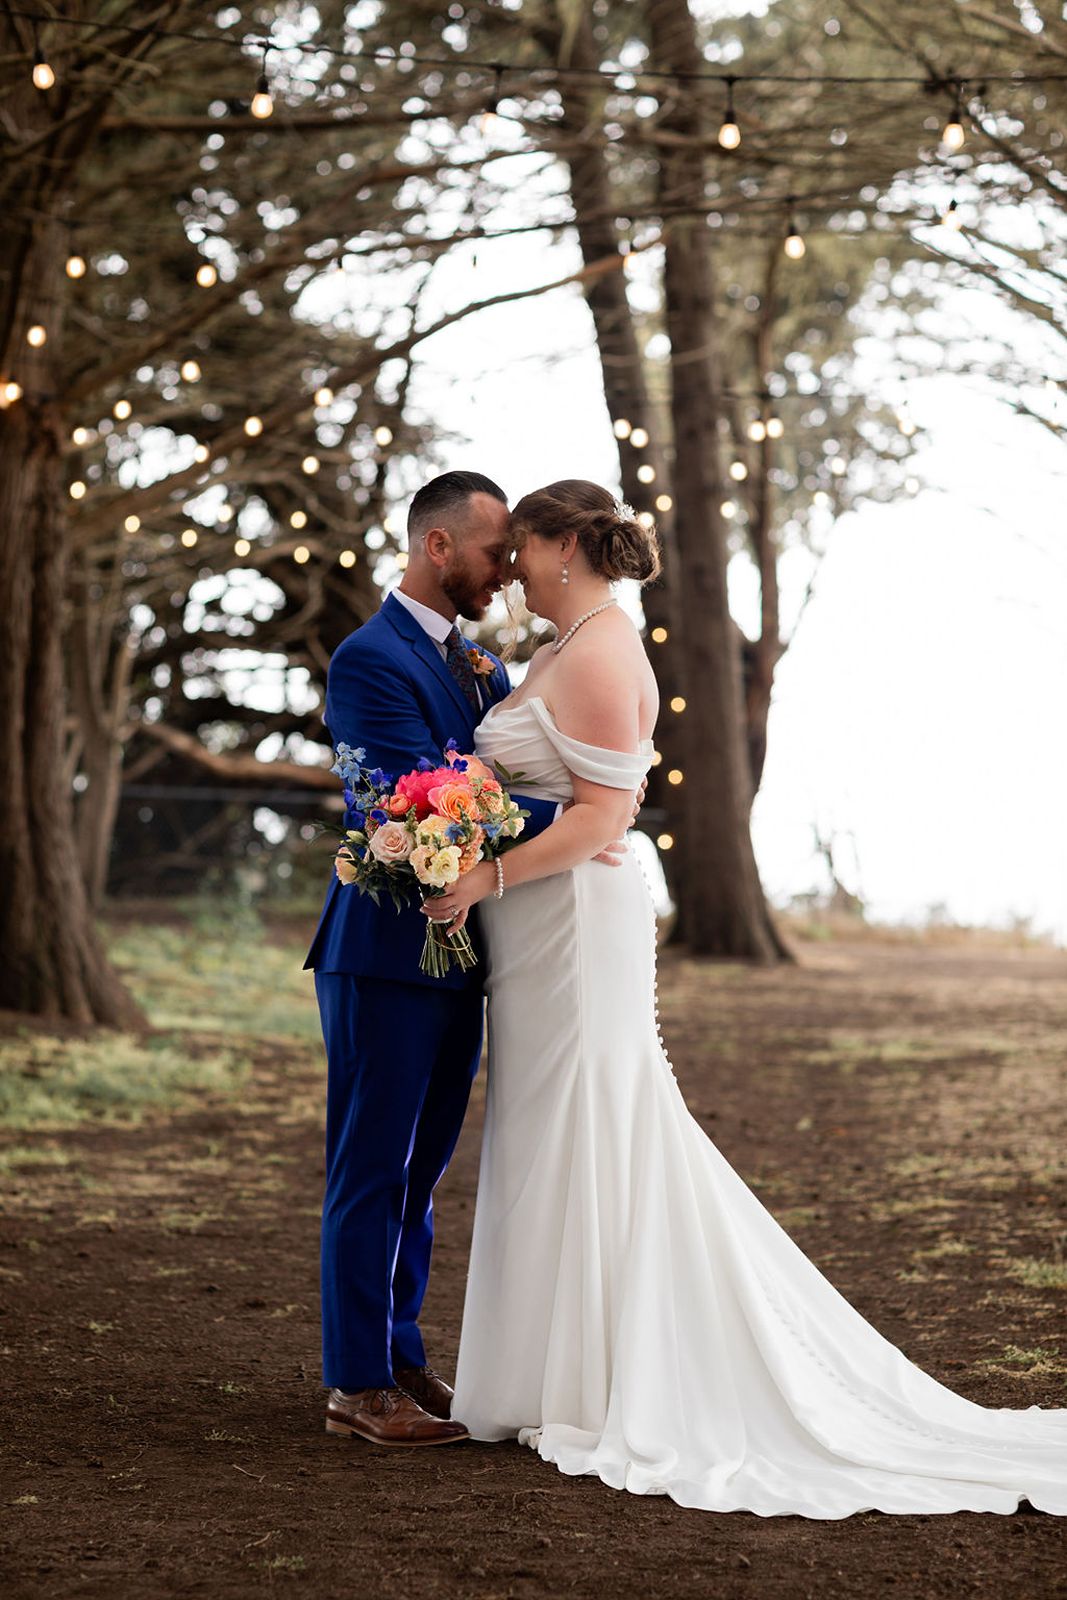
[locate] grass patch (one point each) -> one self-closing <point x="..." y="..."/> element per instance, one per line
<point x="49" y="1082"/>
<point x="220" y="975"/>
<point x="1039" y="1274"/>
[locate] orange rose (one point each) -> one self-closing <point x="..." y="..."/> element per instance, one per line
<point x="454" y="801"/>
<point x="398" y="805"/>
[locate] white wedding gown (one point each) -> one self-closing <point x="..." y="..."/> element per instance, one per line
<point x="632" y="1309"/>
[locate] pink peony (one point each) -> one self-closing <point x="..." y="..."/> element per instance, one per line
<point x="416" y="786"/>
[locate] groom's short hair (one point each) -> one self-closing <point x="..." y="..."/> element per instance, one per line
<point x="446" y="495"/>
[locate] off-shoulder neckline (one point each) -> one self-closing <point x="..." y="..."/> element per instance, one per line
<point x="536" y="700"/>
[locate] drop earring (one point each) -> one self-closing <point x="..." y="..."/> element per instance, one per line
<point x="565" y="576"/>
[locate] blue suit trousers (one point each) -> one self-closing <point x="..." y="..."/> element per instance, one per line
<point x="401" y="1059"/>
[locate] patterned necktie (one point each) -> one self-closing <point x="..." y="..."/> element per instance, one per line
<point x="459" y="666"/>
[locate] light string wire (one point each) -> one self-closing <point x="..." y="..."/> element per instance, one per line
<point x="385" y="56"/>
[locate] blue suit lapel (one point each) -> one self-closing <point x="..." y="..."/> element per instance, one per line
<point x="427" y="652"/>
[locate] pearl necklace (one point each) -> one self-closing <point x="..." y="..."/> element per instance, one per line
<point x="559" y="643"/>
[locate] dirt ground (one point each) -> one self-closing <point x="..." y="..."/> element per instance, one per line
<point x="900" y="1108"/>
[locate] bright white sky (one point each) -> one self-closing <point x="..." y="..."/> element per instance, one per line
<point x="918" y="717"/>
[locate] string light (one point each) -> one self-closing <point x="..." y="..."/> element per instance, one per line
<point x="201" y="454"/>
<point x="310" y="465"/>
<point x="224" y="513"/>
<point x="301" y="554"/>
<point x="664" y="502"/>
<point x="638" y="438"/>
<point x="657" y="758"/>
<point x="729" y="509"/>
<point x="253" y="427"/>
<point x="676" y="776"/>
<point x="950" y="217"/>
<point x="678" y="704"/>
<point x="383" y="436"/>
<point x="241" y="547"/>
<point x="775" y="427"/>
<point x="262" y="103"/>
<point x="491" y="114"/>
<point x="76" y="267"/>
<point x="402" y="560"/>
<point x="622" y="429"/>
<point x="757" y="430"/>
<point x="43" y="76"/>
<point x="794" y="245"/>
<point x="738" y="471"/>
<point x="189" y="537"/>
<point x="190" y="371"/>
<point x="132" y="524"/>
<point x="729" y="132"/>
<point x="80" y="436"/>
<point x="953" y="137"/>
<point x="298" y="519"/>
<point x="665" y="841"/>
<point x="122" y="409"/>
<point x="347" y="558"/>
<point x="206" y="275"/>
<point x="660" y="636"/>
<point x="324" y="396"/>
<point x="646" y="519"/>
<point x="12" y="392"/>
<point x="77" y="490"/>
<point x="36" y="335"/>
<point x="646" y="474"/>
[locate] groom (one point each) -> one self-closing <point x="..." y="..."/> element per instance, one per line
<point x="402" y="1048"/>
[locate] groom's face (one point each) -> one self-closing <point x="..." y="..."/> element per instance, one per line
<point x="479" y="556"/>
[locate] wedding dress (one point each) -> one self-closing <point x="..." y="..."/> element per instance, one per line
<point x="632" y="1310"/>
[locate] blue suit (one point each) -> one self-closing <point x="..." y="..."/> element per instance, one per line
<point x="402" y="1048"/>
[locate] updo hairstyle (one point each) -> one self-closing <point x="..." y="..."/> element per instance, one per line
<point x="616" y="545"/>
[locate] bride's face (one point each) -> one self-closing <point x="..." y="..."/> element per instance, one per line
<point x="538" y="565"/>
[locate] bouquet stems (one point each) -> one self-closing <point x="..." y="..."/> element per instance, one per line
<point x="442" y="950"/>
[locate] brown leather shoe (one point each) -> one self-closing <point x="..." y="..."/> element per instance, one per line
<point x="388" y="1416"/>
<point x="427" y="1388"/>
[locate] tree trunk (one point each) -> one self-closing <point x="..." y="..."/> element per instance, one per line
<point x="54" y="963"/>
<point x="728" y="914"/>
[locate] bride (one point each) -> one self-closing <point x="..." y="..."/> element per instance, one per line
<point x="632" y="1309"/>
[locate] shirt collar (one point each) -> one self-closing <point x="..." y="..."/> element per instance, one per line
<point x="433" y="623"/>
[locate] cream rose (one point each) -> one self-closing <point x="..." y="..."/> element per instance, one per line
<point x="391" y="842"/>
<point x="437" y="868"/>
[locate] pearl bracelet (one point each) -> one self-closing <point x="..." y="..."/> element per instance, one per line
<point x="499" y="865"/>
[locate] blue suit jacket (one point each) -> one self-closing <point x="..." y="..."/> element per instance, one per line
<point x="389" y="692"/>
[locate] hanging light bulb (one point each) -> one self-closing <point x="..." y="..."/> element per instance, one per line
<point x="262" y="103"/>
<point x="132" y="523"/>
<point x="241" y="547"/>
<point x="206" y="275"/>
<point x="950" y="217"/>
<point x="190" y="371"/>
<point x="189" y="537"/>
<point x="646" y="474"/>
<point x="253" y="427"/>
<point x="639" y="438"/>
<point x="622" y="428"/>
<point x="757" y="430"/>
<point x="201" y="453"/>
<point x="347" y="558"/>
<point x="122" y="409"/>
<point x="665" y="841"/>
<point x="953" y="136"/>
<point x="794" y="244"/>
<point x="12" y="392"/>
<point x="660" y="636"/>
<point x="310" y="465"/>
<point x="324" y="396"/>
<point x="729" y="132"/>
<point x="298" y="519"/>
<point x="301" y="554"/>
<point x="491" y="114"/>
<point x="36" y="336"/>
<point x="664" y="502"/>
<point x="775" y="427"/>
<point x="76" y="267"/>
<point x="383" y="436"/>
<point x="80" y="436"/>
<point x="77" y="489"/>
<point x="43" y="76"/>
<point x="738" y="471"/>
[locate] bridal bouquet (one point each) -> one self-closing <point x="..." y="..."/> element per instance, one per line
<point x="419" y="833"/>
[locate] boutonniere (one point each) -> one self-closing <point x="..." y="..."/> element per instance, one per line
<point x="481" y="664"/>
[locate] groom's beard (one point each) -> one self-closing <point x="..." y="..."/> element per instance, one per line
<point x="467" y="595"/>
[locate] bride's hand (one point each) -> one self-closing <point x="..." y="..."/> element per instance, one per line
<point x="452" y="906"/>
